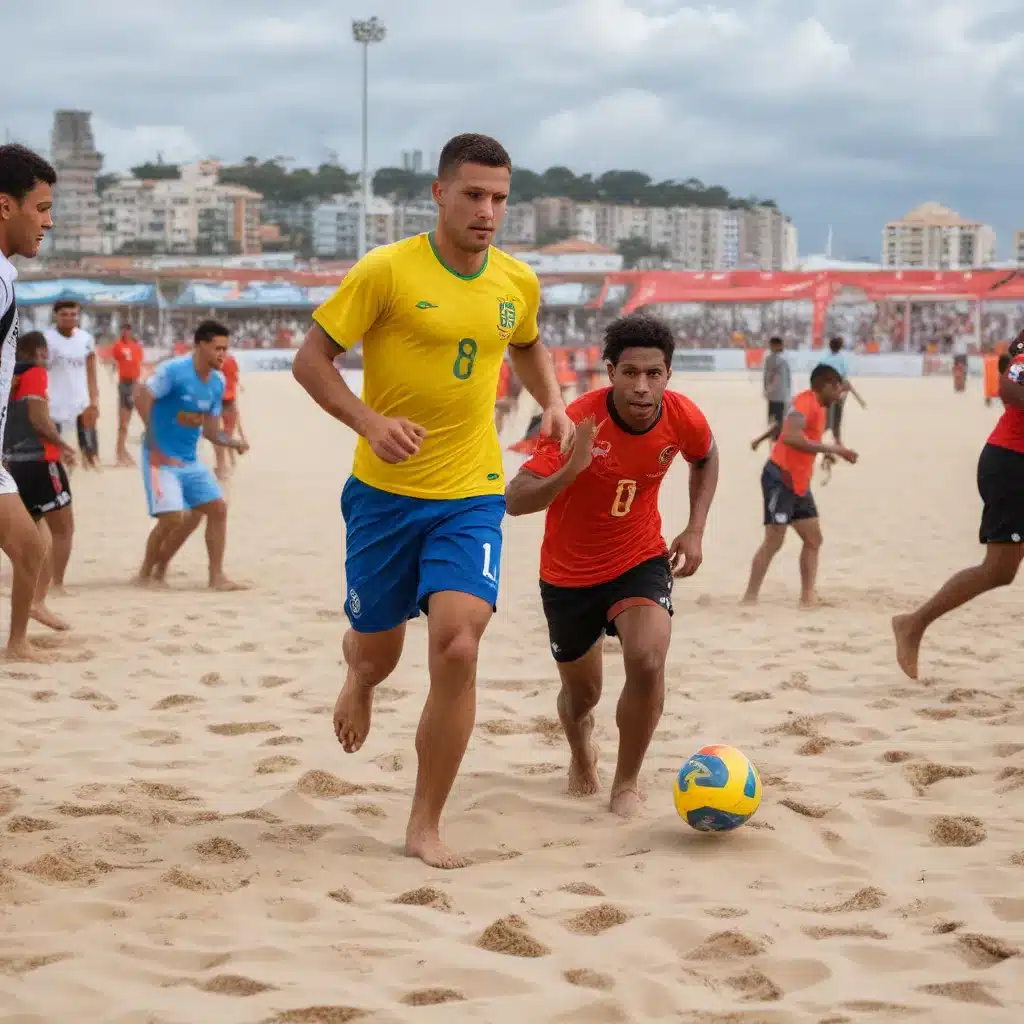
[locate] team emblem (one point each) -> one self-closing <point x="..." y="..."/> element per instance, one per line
<point x="667" y="454"/>
<point x="601" y="448"/>
<point x="506" y="317"/>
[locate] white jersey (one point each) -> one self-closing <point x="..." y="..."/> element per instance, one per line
<point x="69" y="383"/>
<point x="8" y="336"/>
<point x="8" y="354"/>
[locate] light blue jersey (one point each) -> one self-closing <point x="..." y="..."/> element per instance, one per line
<point x="183" y="401"/>
<point x="838" y="361"/>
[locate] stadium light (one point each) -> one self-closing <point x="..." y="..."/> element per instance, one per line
<point x="366" y="33"/>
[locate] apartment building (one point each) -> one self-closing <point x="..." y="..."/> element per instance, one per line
<point x="935" y="237"/>
<point x="190" y="214"/>
<point x="76" y="201"/>
<point x="520" y="227"/>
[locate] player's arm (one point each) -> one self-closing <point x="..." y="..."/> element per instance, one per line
<point x="91" y="378"/>
<point x="703" y="484"/>
<point x="531" y="362"/>
<point x="1011" y="386"/>
<point x="793" y="435"/>
<point x="848" y="387"/>
<point x="216" y="435"/>
<point x="548" y="473"/>
<point x="43" y="425"/>
<point x="360" y="302"/>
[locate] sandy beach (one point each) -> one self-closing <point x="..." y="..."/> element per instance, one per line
<point x="183" y="840"/>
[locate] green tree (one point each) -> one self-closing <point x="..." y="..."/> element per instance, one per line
<point x="636" y="250"/>
<point x="158" y="171"/>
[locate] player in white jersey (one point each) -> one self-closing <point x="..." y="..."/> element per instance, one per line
<point x="26" y="198"/>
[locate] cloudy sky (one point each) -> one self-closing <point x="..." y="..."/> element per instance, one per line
<point x="847" y="112"/>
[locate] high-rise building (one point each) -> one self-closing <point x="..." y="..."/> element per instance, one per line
<point x="191" y="213"/>
<point x="76" y="202"/>
<point x="934" y="237"/>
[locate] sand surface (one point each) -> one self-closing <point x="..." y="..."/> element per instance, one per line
<point x="183" y="841"/>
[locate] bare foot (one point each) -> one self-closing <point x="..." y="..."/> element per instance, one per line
<point x="59" y="589"/>
<point x="223" y="584"/>
<point x="125" y="461"/>
<point x="352" y="711"/>
<point x="583" y="779"/>
<point x="627" y="801"/>
<point x="748" y="600"/>
<point x="42" y="614"/>
<point x="24" y="651"/>
<point x="149" y="582"/>
<point x="427" y="846"/>
<point x="908" y="643"/>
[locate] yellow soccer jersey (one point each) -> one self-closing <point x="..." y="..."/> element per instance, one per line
<point x="433" y="345"/>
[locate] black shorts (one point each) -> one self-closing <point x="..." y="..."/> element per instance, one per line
<point x="834" y="416"/>
<point x="960" y="360"/>
<point x="43" y="486"/>
<point x="776" y="414"/>
<point x="782" y="505"/>
<point x="126" y="394"/>
<point x="1001" y="486"/>
<point x="577" y="616"/>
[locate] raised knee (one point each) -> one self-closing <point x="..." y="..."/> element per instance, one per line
<point x="582" y="697"/>
<point x="371" y="664"/>
<point x="814" y="542"/>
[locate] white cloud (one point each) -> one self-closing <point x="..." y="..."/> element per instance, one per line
<point x="840" y="109"/>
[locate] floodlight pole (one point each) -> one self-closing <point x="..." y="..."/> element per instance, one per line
<point x="365" y="33"/>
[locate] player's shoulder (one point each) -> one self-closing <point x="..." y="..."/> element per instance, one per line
<point x="520" y="273"/>
<point x="590" y="403"/>
<point x="681" y="406"/>
<point x="405" y="253"/>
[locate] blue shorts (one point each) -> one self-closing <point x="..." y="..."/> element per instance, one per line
<point x="178" y="488"/>
<point x="399" y="551"/>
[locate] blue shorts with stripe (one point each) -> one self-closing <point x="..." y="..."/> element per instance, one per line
<point x="400" y="550"/>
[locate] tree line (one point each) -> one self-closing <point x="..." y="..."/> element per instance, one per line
<point x="278" y="182"/>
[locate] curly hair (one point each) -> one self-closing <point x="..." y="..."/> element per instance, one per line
<point x="638" y="330"/>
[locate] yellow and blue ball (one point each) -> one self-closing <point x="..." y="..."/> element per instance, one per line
<point x="717" y="789"/>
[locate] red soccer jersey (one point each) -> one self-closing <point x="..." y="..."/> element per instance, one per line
<point x="800" y="465"/>
<point x="607" y="520"/>
<point x="230" y="371"/>
<point x="129" y="356"/>
<point x="1009" y="431"/>
<point x="35" y="383"/>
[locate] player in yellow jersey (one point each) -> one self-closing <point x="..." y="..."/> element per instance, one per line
<point x="423" y="507"/>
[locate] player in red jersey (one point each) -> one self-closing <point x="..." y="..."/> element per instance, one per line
<point x="605" y="567"/>
<point x="1001" y="485"/>
<point x="786" y="482"/>
<point x="128" y="355"/>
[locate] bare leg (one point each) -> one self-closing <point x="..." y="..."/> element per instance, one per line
<point x="216" y="541"/>
<point x="456" y="623"/>
<point x="123" y="419"/>
<point x="175" y="540"/>
<point x="22" y="544"/>
<point x="581" y="690"/>
<point x="371" y="658"/>
<point x="809" y="531"/>
<point x="645" y="632"/>
<point x="774" y="538"/>
<point x="39" y="611"/>
<point x="62" y="528"/>
<point x="153" y="568"/>
<point x="998" y="569"/>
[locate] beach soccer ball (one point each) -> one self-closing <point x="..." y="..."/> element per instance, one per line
<point x="717" y="789"/>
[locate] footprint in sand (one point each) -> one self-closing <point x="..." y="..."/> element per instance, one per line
<point x="242" y="728"/>
<point x="176" y="700"/>
<point x="960" y="831"/>
<point x="433" y="997"/>
<point x="584" y="977"/>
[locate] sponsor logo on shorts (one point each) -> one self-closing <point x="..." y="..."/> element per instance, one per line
<point x="354" y="603"/>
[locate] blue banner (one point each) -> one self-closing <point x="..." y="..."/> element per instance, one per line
<point x="88" y="293"/>
<point x="265" y="294"/>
